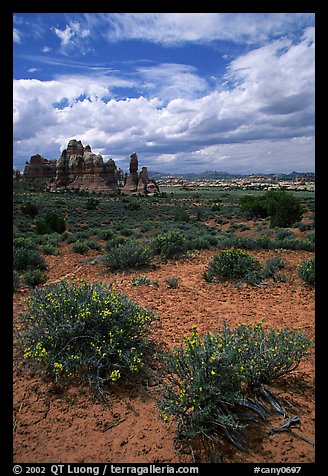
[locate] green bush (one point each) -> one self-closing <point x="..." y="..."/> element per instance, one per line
<point x="92" y="203"/>
<point x="24" y="242"/>
<point x="307" y="271"/>
<point x="49" y="249"/>
<point x="234" y="264"/>
<point x="141" y="281"/>
<point x="253" y="206"/>
<point x="114" y="241"/>
<point x="215" y="207"/>
<point x="272" y="265"/>
<point x="132" y="206"/>
<point x="50" y="223"/>
<point x="284" y="234"/>
<point x="201" y="390"/>
<point x="181" y="214"/>
<point x="29" y="209"/>
<point x="82" y="246"/>
<point x="264" y="355"/>
<point x="129" y="254"/>
<point x="169" y="244"/>
<point x="105" y="234"/>
<point x="25" y="259"/>
<point x="210" y="382"/>
<point x="34" y="277"/>
<point x="84" y="331"/>
<point x="283" y="208"/>
<point x="172" y="282"/>
<point x="16" y="281"/>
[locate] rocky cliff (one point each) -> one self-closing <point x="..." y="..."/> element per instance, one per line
<point x="79" y="168"/>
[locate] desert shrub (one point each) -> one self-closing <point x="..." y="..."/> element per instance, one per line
<point x="294" y="244"/>
<point x="16" y="281"/>
<point x="114" y="241"/>
<point x="25" y="259"/>
<point x="129" y="254"/>
<point x="52" y="239"/>
<point x="310" y="236"/>
<point x="34" y="277"/>
<point x="284" y="234"/>
<point x="125" y="231"/>
<point x="234" y="264"/>
<point x="105" y="234"/>
<point x="169" y="244"/>
<point x="73" y="237"/>
<point x="283" y="208"/>
<point x="141" y="281"/>
<point x="264" y="355"/>
<point x="272" y="265"/>
<point x="49" y="249"/>
<point x="215" y="207"/>
<point x="201" y="389"/>
<point x="201" y="213"/>
<point x="132" y="206"/>
<point x="307" y="271"/>
<point x="246" y="242"/>
<point x="199" y="238"/>
<point x="85" y="331"/>
<point x="253" y="206"/>
<point x="50" y="223"/>
<point x="29" y="209"/>
<point x="210" y="382"/>
<point x="92" y="203"/>
<point x="24" y="242"/>
<point x="199" y="243"/>
<point x="263" y="241"/>
<point x="182" y="215"/>
<point x="172" y="282"/>
<point x="82" y="246"/>
<point x="306" y="226"/>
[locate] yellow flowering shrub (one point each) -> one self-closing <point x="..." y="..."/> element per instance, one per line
<point x="210" y="380"/>
<point x="86" y="331"/>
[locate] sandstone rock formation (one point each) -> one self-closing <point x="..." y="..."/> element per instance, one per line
<point x="39" y="168"/>
<point x="139" y="183"/>
<point x="131" y="184"/>
<point x="78" y="167"/>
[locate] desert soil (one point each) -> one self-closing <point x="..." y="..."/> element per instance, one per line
<point x="72" y="427"/>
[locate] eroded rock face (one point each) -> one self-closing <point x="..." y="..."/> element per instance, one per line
<point x="78" y="167"/>
<point x="39" y="168"/>
<point x="139" y="183"/>
<point x="145" y="184"/>
<point x="131" y="184"/>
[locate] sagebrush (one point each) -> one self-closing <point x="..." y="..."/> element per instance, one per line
<point x="83" y="331"/>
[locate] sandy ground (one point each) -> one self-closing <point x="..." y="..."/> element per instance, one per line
<point x="72" y="426"/>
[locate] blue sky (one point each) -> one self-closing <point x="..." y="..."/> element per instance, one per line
<point x="187" y="91"/>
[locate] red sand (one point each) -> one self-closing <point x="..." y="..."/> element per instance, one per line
<point x="73" y="427"/>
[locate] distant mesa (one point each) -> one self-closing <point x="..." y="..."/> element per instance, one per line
<point x="79" y="168"/>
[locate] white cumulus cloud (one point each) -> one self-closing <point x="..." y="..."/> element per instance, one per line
<point x="265" y="104"/>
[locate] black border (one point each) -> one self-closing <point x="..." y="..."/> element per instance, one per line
<point x="6" y="15"/>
